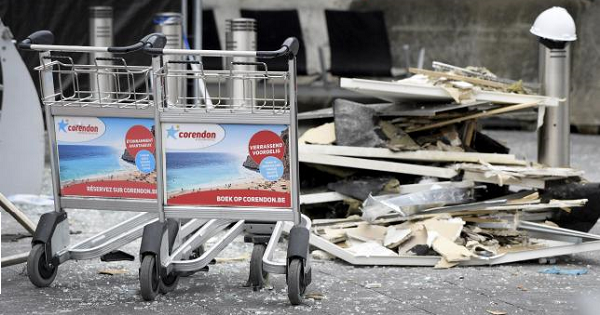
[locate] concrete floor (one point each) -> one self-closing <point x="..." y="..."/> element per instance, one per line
<point x="514" y="289"/>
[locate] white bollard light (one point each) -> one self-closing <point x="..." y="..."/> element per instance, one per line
<point x="555" y="29"/>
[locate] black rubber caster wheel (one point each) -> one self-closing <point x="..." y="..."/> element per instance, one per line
<point x="295" y="281"/>
<point x="38" y="271"/>
<point x="258" y="277"/>
<point x="169" y="283"/>
<point x="149" y="279"/>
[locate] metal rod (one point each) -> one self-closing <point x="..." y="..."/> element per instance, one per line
<point x="197" y="24"/>
<point x="184" y="15"/>
<point x="170" y="24"/>
<point x="196" y="91"/>
<point x="294" y="164"/>
<point x="48" y="89"/>
<point x="14" y="260"/>
<point x="158" y="137"/>
<point x="209" y="53"/>
<point x="68" y="48"/>
<point x="241" y="35"/>
<point x="23" y="220"/>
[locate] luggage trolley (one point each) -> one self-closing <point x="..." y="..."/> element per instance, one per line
<point x="101" y="142"/>
<point x="228" y="155"/>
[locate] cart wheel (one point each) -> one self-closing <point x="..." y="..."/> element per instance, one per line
<point x="258" y="276"/>
<point x="37" y="269"/>
<point x="197" y="252"/>
<point x="169" y="283"/>
<point x="149" y="280"/>
<point x="295" y="281"/>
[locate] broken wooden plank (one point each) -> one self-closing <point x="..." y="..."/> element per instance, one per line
<point x="367" y="232"/>
<point x="449" y="250"/>
<point x="323" y="134"/>
<point x="496" y="206"/>
<point x="19" y="216"/>
<point x="524" y="182"/>
<point x="448" y="228"/>
<point x="429" y="156"/>
<point x="397" y="110"/>
<point x="469" y="134"/>
<point x="392" y="167"/>
<point x="324" y="222"/>
<point x="418" y="237"/>
<point x="329" y="196"/>
<point x="394" y="237"/>
<point x="401" y="91"/>
<point x="523" y="171"/>
<point x="504" y="109"/>
<point x="438" y="74"/>
<point x="371" y="249"/>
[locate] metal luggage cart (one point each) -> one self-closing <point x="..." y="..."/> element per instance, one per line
<point x="91" y="125"/>
<point x="228" y="156"/>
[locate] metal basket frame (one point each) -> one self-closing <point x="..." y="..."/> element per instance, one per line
<point x="264" y="80"/>
<point x="133" y="84"/>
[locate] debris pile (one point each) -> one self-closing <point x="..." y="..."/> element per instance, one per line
<point x="415" y="182"/>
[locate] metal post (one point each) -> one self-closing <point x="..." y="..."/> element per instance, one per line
<point x="241" y="35"/>
<point x="554" y="135"/>
<point x="198" y="25"/>
<point x="101" y="34"/>
<point x="184" y="15"/>
<point x="555" y="28"/>
<point x="294" y="163"/>
<point x="47" y="83"/>
<point x="158" y="139"/>
<point x="196" y="91"/>
<point x="170" y="24"/>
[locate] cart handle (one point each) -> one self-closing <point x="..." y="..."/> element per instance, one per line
<point x="43" y="37"/>
<point x="289" y="48"/>
<point x="43" y="41"/>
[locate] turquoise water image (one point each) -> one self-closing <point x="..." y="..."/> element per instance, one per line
<point x="186" y="171"/>
<point x="83" y="161"/>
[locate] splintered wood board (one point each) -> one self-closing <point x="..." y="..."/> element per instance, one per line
<point x="401" y="91"/>
<point x="383" y="166"/>
<point x="329" y="196"/>
<point x="422" y="155"/>
<point x="524" y="182"/>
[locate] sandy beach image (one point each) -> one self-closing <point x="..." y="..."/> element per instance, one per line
<point x="258" y="184"/>
<point x="226" y="173"/>
<point x="130" y="176"/>
<point x="105" y="165"/>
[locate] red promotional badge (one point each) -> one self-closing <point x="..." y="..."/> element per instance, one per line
<point x="265" y="143"/>
<point x="139" y="138"/>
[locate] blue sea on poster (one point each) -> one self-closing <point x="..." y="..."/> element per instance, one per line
<point x="188" y="170"/>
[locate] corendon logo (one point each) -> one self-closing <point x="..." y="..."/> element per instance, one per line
<point x="193" y="136"/>
<point x="78" y="129"/>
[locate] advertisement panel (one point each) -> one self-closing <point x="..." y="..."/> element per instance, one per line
<point x="106" y="157"/>
<point x="227" y="165"/>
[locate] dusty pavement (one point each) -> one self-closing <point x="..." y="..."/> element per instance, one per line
<point x="514" y="289"/>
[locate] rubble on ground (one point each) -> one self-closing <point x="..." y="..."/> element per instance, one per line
<point x="416" y="178"/>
